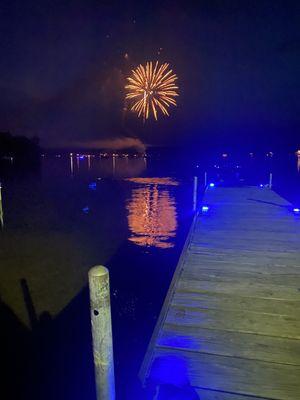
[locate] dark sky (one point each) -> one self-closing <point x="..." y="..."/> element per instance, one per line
<point x="62" y="69"/>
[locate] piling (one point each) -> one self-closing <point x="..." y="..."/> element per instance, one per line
<point x="195" y="192"/>
<point x="102" y="332"/>
<point x="205" y="179"/>
<point x="270" y="180"/>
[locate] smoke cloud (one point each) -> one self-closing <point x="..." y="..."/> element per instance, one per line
<point x="120" y="143"/>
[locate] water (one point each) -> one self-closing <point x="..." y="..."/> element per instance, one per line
<point x="131" y="214"/>
<point x="75" y="213"/>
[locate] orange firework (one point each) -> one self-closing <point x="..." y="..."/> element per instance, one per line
<point x="151" y="88"/>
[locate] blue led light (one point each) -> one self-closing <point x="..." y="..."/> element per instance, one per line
<point x="212" y="185"/>
<point x="93" y="186"/>
<point x="261" y="185"/>
<point x="86" y="209"/>
<point x="205" y="209"/>
<point x="296" y="210"/>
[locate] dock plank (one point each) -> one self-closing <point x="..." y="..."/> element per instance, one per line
<point x="232" y="374"/>
<point x="231" y="316"/>
<point x="241" y="345"/>
<point x="220" y="301"/>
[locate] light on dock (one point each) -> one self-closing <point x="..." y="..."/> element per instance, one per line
<point x="211" y="185"/>
<point x="296" y="210"/>
<point x="205" y="209"/>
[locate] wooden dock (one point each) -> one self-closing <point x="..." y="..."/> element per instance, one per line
<point x="230" y="325"/>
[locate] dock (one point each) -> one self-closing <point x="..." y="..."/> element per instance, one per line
<point x="229" y="328"/>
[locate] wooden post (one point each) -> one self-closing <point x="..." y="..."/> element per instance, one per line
<point x="1" y="209"/>
<point x="102" y="333"/>
<point x="270" y="180"/>
<point x="205" y="179"/>
<point x="195" y="193"/>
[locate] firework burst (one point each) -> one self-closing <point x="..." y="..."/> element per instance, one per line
<point x="151" y="88"/>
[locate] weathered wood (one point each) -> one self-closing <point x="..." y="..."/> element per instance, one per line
<point x="225" y="301"/>
<point x="102" y="333"/>
<point x="238" y="321"/>
<point x="241" y="345"/>
<point x="215" y="395"/>
<point x="217" y="263"/>
<point x="244" y="255"/>
<point x="231" y="374"/>
<point x="289" y="281"/>
<point x="231" y="316"/>
<point x="241" y="288"/>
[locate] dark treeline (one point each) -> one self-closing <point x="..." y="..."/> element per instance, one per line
<point x="19" y="151"/>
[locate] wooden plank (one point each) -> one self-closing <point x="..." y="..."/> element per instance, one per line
<point x="236" y="277"/>
<point x="207" y="262"/>
<point x="241" y="288"/>
<point x="233" y="344"/>
<point x="258" y="257"/>
<point x="221" y="301"/>
<point x="259" y="246"/>
<point x="206" y="394"/>
<point x="236" y="375"/>
<point x="235" y="321"/>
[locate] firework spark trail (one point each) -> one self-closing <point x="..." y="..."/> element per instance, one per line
<point x="151" y="88"/>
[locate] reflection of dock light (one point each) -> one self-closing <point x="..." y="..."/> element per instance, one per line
<point x="93" y="186"/>
<point x="205" y="209"/>
<point x="296" y="210"/>
<point x="211" y="185"/>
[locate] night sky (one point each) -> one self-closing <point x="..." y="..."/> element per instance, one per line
<point x="63" y="67"/>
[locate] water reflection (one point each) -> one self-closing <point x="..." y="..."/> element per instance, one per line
<point x="152" y="214"/>
<point x="71" y="164"/>
<point x="105" y="167"/>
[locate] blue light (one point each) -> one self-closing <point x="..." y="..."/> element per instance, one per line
<point x="261" y="185"/>
<point x="296" y="210"/>
<point x="86" y="209"/>
<point x="211" y="185"/>
<point x="93" y="186"/>
<point x="205" y="209"/>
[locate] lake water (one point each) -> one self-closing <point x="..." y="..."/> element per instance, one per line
<point x="77" y="212"/>
<point x="131" y="214"/>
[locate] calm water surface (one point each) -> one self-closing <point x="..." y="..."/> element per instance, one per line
<point x="75" y="213"/>
<point x="129" y="214"/>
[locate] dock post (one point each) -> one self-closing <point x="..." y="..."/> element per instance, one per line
<point x="195" y="192"/>
<point x="205" y="179"/>
<point x="270" y="180"/>
<point x="1" y="209"/>
<point x="102" y="332"/>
